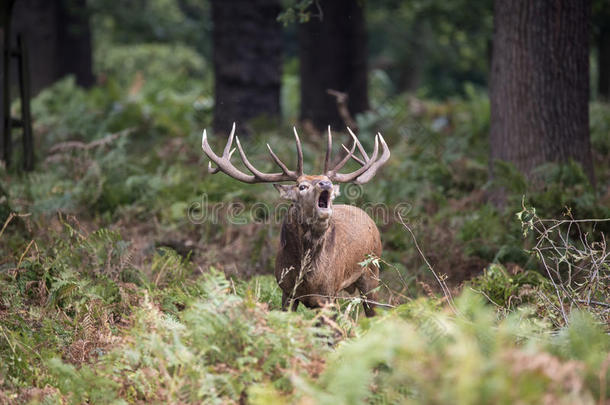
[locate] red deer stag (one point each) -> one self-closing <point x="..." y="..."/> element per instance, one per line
<point x="321" y="245"/>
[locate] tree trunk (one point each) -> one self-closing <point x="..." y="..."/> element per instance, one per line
<point x="333" y="56"/>
<point x="247" y="41"/>
<point x="74" y="42"/>
<point x="59" y="40"/>
<point x="539" y="86"/>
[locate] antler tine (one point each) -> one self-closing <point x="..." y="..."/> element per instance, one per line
<point x="299" y="171"/>
<point x="329" y="147"/>
<point x="224" y="164"/>
<point x="360" y="148"/>
<point x="226" y="152"/>
<point x="278" y="161"/>
<point x="214" y="170"/>
<point x="344" y="178"/>
<point x="350" y="154"/>
<point x="370" y="173"/>
<point x="356" y="158"/>
<point x="247" y="163"/>
<point x="369" y="165"/>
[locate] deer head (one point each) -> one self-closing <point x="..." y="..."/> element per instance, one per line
<point x="312" y="195"/>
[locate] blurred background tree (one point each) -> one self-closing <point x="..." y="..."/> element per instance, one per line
<point x="250" y="66"/>
<point x="539" y="86"/>
<point x="74" y="42"/>
<point x="333" y="56"/>
<point x="431" y="47"/>
<point x="247" y="60"/>
<point x="59" y="40"/>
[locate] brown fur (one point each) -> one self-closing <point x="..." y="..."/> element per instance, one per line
<point x="315" y="263"/>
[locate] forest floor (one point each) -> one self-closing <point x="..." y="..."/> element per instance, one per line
<point x="130" y="274"/>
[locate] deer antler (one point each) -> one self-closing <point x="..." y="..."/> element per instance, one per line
<point x="369" y="165"/>
<point x="224" y="164"/>
<point x="360" y="176"/>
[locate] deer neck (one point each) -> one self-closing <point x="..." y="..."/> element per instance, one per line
<point x="311" y="236"/>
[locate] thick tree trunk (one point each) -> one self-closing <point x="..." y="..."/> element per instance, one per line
<point x="59" y="40"/>
<point x="333" y="56"/>
<point x="37" y="20"/>
<point x="539" y="85"/>
<point x="74" y="42"/>
<point x="247" y="41"/>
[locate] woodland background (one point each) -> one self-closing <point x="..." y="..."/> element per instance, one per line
<point x="115" y="287"/>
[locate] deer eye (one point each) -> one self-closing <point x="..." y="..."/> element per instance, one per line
<point x="302" y="187"/>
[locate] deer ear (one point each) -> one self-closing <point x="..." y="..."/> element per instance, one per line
<point x="287" y="192"/>
<point x="336" y="192"/>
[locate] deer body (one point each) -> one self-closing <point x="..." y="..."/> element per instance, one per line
<point x="313" y="266"/>
<point x="321" y="245"/>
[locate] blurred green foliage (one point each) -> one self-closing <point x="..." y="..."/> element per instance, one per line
<point x="466" y="359"/>
<point x="433" y="47"/>
<point x="151" y="21"/>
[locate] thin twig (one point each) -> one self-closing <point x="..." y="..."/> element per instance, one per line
<point x="10" y="218"/>
<point x="77" y="145"/>
<point x="441" y="282"/>
<point x="592" y="302"/>
<point x="24" y="253"/>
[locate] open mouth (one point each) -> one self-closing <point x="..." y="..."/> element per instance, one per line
<point x="323" y="199"/>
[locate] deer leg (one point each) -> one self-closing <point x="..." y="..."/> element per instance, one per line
<point x="366" y="284"/>
<point x="369" y="307"/>
<point x="286" y="298"/>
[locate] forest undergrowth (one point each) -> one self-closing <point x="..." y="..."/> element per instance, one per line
<point x="128" y="274"/>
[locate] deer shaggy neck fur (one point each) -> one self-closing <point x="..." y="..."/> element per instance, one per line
<point x="315" y="261"/>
